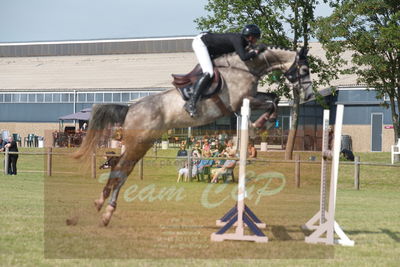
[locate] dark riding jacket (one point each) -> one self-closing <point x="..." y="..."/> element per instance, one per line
<point x="224" y="43"/>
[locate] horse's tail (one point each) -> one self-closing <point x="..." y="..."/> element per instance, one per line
<point x="103" y="117"/>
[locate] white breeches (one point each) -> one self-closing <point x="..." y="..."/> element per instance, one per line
<point x="203" y="57"/>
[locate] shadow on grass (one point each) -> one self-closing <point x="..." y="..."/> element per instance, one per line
<point x="393" y="235"/>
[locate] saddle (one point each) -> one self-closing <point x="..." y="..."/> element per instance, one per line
<point x="184" y="83"/>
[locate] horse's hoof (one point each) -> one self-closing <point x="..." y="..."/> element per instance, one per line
<point x="98" y="205"/>
<point x="107" y="215"/>
<point x="105" y="220"/>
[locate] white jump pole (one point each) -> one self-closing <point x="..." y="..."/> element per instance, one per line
<point x="325" y="231"/>
<point x="241" y="215"/>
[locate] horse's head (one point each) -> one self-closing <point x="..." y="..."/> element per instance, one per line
<point x="299" y="75"/>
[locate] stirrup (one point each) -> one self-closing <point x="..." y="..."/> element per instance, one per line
<point x="191" y="109"/>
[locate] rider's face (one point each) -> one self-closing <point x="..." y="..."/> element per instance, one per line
<point x="252" y="39"/>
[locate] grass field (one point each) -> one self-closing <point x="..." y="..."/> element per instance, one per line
<point x="160" y="222"/>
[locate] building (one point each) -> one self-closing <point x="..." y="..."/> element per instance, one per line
<point x="43" y="81"/>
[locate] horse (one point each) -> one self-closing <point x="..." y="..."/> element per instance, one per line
<point x="145" y="120"/>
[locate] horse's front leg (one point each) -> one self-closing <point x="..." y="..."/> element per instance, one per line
<point x="116" y="181"/>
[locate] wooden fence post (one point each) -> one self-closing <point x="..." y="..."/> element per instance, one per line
<point x="49" y="160"/>
<point x="357" y="172"/>
<point x="6" y="159"/>
<point x="297" y="171"/>
<point x="94" y="165"/>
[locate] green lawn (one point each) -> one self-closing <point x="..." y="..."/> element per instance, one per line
<point x="152" y="227"/>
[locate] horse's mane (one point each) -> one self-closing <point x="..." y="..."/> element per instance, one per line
<point x="233" y="58"/>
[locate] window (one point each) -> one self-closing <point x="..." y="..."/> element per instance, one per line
<point x="99" y="97"/>
<point x="107" y="97"/>
<point x="23" y="98"/>
<point x="31" y="98"/>
<point x="48" y="98"/>
<point x="90" y="97"/>
<point x="125" y="97"/>
<point x="15" y="98"/>
<point x="1" y="97"/>
<point x="56" y="98"/>
<point x="81" y="97"/>
<point x="134" y="96"/>
<point x="116" y="97"/>
<point x="64" y="97"/>
<point x="143" y="94"/>
<point x="39" y="98"/>
<point x="7" y="98"/>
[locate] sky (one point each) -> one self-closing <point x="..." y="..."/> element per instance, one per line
<point x="56" y="20"/>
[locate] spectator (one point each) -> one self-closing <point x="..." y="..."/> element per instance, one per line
<point x="2" y="144"/>
<point x="196" y="152"/>
<point x="206" y="148"/>
<point x="251" y="151"/>
<point x="84" y="126"/>
<point x="347" y="154"/>
<point x="216" y="173"/>
<point x="182" y="152"/>
<point x="229" y="151"/>
<point x="205" y="162"/>
<point x="12" y="158"/>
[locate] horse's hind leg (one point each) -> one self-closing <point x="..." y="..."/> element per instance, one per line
<point x="98" y="203"/>
<point x="116" y="181"/>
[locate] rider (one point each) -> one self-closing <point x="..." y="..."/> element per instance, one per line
<point x="209" y="46"/>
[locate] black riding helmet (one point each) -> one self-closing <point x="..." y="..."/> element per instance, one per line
<point x="251" y="29"/>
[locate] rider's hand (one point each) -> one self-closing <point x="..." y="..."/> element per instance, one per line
<point x="261" y="48"/>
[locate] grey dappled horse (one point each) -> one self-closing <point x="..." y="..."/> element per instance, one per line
<point x="147" y="119"/>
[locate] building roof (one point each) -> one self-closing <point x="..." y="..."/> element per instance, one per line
<point x="91" y="71"/>
<point x="137" y="70"/>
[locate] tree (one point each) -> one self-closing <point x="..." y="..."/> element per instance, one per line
<point x="371" y="29"/>
<point x="271" y="16"/>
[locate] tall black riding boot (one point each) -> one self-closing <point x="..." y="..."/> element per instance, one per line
<point x="202" y="84"/>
